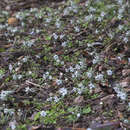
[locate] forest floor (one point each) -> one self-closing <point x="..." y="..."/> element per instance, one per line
<point x="64" y="65"/>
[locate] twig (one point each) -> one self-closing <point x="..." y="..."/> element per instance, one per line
<point x="28" y="83"/>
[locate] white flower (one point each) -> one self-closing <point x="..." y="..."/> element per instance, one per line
<point x="126" y="121"/>
<point x="43" y="113"/>
<point x="22" y="24"/>
<point x="25" y="59"/>
<point x="49" y="99"/>
<point x="77" y="29"/>
<point x="110" y="35"/>
<point x="99" y="77"/>
<point x="125" y="39"/>
<point x="120" y="27"/>
<point x="19" y="76"/>
<point x="14" y="77"/>
<point x="88" y="129"/>
<point x="119" y="16"/>
<point x="120" y="2"/>
<point x="59" y="82"/>
<point x="50" y="77"/>
<point x="33" y="9"/>
<point x="30" y="72"/>
<point x="121" y="10"/>
<point x="91" y="9"/>
<point x="81" y="64"/>
<point x="13" y="125"/>
<point x="109" y="72"/>
<point x="10" y="67"/>
<point x="19" y="63"/>
<point x="46" y="75"/>
<point x="96" y="60"/>
<point x="96" y="31"/>
<point x="75" y="74"/>
<point x="61" y="36"/>
<point x="99" y="19"/>
<point x="27" y="89"/>
<point x="71" y="21"/>
<point x="128" y="33"/>
<point x="79" y="90"/>
<point x="74" y="89"/>
<point x="66" y="79"/>
<point x="91" y="85"/>
<point x="61" y="74"/>
<point x="37" y="31"/>
<point x="9" y="111"/>
<point x="89" y="17"/>
<point x="58" y="60"/>
<point x="48" y="20"/>
<point x="1" y="26"/>
<point x="71" y="69"/>
<point x="56" y="99"/>
<point x="66" y="70"/>
<point x="77" y="67"/>
<point x="55" y="36"/>
<point x="66" y="11"/>
<point x="102" y="14"/>
<point x="14" y="30"/>
<point x="56" y="57"/>
<point x="80" y="85"/>
<point x="63" y="91"/>
<point x="20" y="15"/>
<point x="28" y="43"/>
<point x="78" y="115"/>
<point x="129" y="104"/>
<point x="58" y="24"/>
<point x="122" y="95"/>
<point x="64" y="44"/>
<point x="75" y="10"/>
<point x="87" y="3"/>
<point x="101" y="103"/>
<point x="89" y="74"/>
<point x="37" y="56"/>
<point x="62" y="62"/>
<point x="129" y="60"/>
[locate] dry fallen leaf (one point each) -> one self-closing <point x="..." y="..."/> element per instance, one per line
<point x="125" y="82"/>
<point x="36" y="127"/>
<point x="12" y="21"/>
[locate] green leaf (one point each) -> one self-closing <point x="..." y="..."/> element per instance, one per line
<point x="37" y="116"/>
<point x="48" y="38"/>
<point x="76" y="1"/>
<point x="86" y="110"/>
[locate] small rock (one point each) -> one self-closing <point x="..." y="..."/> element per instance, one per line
<point x="78" y="99"/>
<point x="125" y="72"/>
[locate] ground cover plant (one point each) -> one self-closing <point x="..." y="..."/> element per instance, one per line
<point x="66" y="64"/>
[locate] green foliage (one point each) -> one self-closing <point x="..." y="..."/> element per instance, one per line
<point x="86" y="110"/>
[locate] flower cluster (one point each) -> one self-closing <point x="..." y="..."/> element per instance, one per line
<point x="63" y="91"/>
<point x="120" y="93"/>
<point x="43" y="113"/>
<point x="4" y="94"/>
<point x="47" y="76"/>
